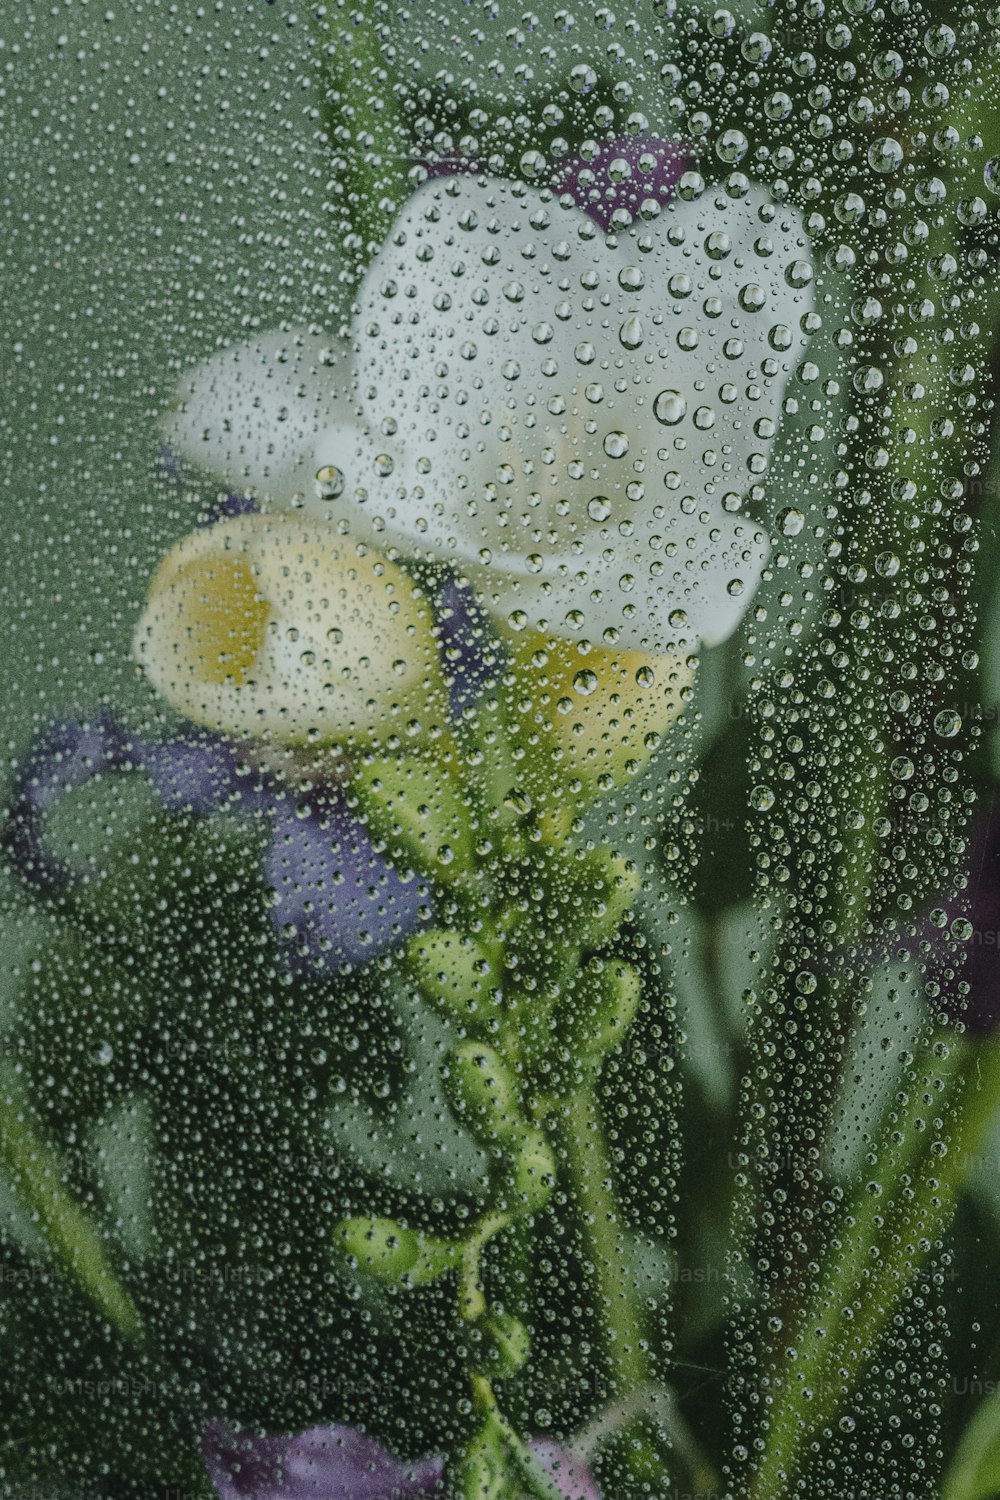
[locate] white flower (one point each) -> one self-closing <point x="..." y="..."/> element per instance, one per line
<point x="273" y="627"/>
<point x="572" y="420"/>
<point x="256" y="413"/>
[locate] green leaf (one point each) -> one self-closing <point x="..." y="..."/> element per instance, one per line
<point x="39" y="1177"/>
<point x="974" y="1472"/>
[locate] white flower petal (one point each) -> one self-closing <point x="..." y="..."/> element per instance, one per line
<point x="528" y="363"/>
<point x="253" y="414"/>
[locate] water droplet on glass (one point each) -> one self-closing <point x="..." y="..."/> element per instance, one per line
<point x="947" y="723"/>
<point x="791" y="521"/>
<point x="670" y="407"/>
<point x="631" y="332"/>
<point x="329" y="482"/>
<point x="732" y="146"/>
<point x="885" y="155"/>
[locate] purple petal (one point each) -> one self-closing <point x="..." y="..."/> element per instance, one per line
<point x="622" y="175"/>
<point x="470" y="651"/>
<point x="343" y="901"/>
<point x="66" y="755"/>
<point x="571" y="1475"/>
<point x="324" y="1463"/>
<point x="195" y="774"/>
<point x="222" y="508"/>
<point x="227" y="507"/>
<point x="328" y="1462"/>
<point x="644" y="167"/>
<point x="169" y="462"/>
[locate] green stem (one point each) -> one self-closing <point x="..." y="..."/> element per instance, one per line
<point x="471" y="1298"/>
<point x="366" y="125"/>
<point x="876" y="1259"/>
<point x="589" y="1170"/>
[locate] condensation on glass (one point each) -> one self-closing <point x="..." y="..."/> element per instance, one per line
<point x="500" y="878"/>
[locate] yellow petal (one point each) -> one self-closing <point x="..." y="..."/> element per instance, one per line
<point x="600" y="713"/>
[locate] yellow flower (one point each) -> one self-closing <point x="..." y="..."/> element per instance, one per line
<point x="275" y="628"/>
<point x="600" y="712"/>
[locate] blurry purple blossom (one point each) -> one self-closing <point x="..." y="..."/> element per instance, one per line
<point x="341" y="1463"/>
<point x="342" y="900"/>
<point x="338" y="901"/>
<point x="224" y="507"/>
<point x="227" y="507"/>
<point x="621" y="174"/>
<point x="470" y="649"/>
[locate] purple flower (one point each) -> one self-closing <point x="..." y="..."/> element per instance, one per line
<point x="622" y="175"/>
<point x="66" y="755"/>
<point x="338" y="900"/>
<point x="326" y="1463"/>
<point x="225" y="507"/>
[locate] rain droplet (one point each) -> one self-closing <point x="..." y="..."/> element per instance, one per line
<point x="670" y="407"/>
<point x="631" y="332"/>
<point x="732" y="146"/>
<point x="791" y="521"/>
<point x="329" y="482"/>
<point x="947" y="723"/>
<point x="885" y="155"/>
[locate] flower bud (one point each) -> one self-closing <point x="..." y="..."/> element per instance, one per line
<point x="266" y="626"/>
<point x="528" y="1179"/>
<point x="388" y="1251"/>
<point x="483" y="1093"/>
<point x="601" y="714"/>
<point x="418" y="809"/>
<point x="453" y="973"/>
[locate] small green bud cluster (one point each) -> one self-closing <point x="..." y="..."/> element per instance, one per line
<point x="455" y="976"/>
<point x="389" y="1251"/>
